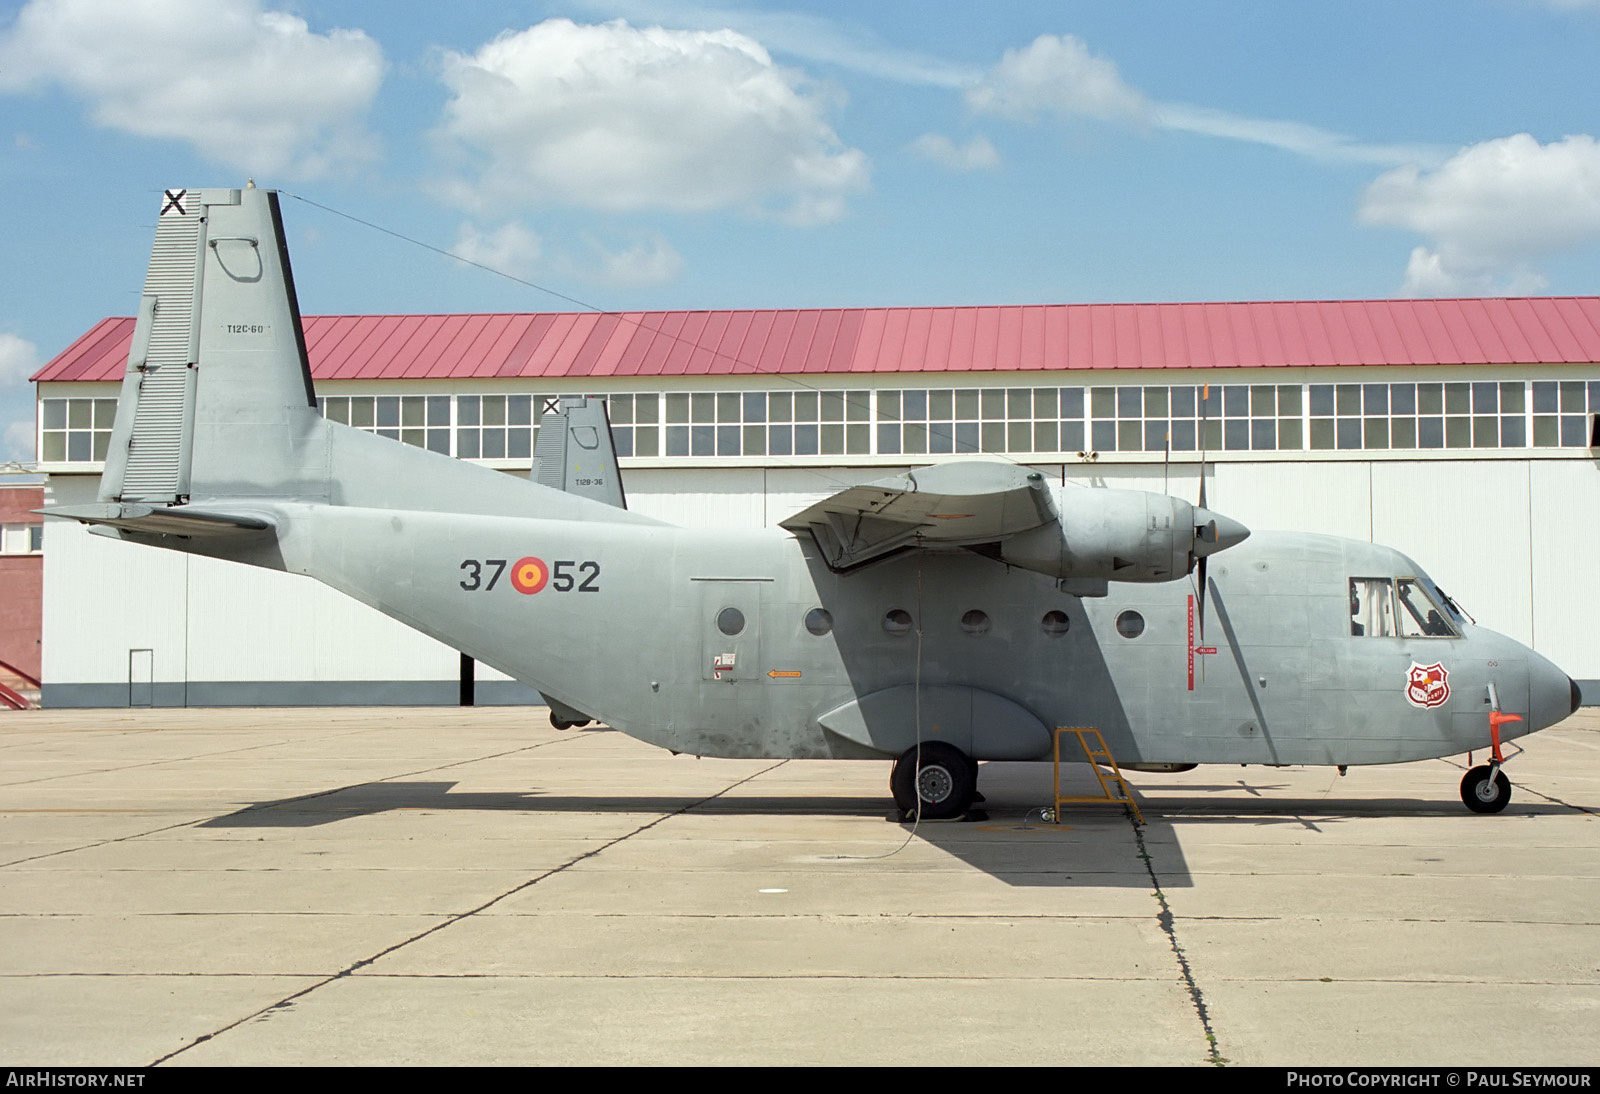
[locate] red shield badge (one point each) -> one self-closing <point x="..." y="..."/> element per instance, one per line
<point x="1427" y="686"/>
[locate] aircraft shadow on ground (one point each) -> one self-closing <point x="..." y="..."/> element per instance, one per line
<point x="1094" y="845"/>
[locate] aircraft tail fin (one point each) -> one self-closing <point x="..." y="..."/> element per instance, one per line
<point x="217" y="397"/>
<point x="576" y="452"/>
<point x="217" y="410"/>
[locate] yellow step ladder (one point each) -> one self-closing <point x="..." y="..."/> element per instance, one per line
<point x="1110" y="781"/>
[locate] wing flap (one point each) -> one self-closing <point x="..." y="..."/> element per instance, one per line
<point x="947" y="505"/>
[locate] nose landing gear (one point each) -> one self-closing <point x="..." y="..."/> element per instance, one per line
<point x="1485" y="789"/>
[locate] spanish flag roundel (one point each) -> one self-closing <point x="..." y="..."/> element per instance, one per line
<point x="529" y="575"/>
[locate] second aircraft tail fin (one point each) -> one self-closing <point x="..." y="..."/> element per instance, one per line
<point x="576" y="452"/>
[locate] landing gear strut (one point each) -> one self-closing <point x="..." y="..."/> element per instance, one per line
<point x="946" y="781"/>
<point x="1485" y="789"/>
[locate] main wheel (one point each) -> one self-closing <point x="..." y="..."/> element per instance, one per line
<point x="1483" y="794"/>
<point x="943" y="781"/>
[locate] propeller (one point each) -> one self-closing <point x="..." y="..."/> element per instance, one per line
<point x="1201" y="529"/>
<point x="1212" y="532"/>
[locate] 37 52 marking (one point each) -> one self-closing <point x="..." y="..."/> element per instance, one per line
<point x="530" y="575"/>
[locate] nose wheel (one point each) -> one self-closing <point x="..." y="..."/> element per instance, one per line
<point x="1485" y="789"/>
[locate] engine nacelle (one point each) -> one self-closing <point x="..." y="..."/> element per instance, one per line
<point x="1121" y="535"/>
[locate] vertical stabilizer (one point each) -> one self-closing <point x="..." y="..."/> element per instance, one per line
<point x="148" y="458"/>
<point x="576" y="453"/>
<point x="217" y="398"/>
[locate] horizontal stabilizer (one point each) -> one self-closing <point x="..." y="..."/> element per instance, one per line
<point x="161" y="520"/>
<point x="946" y="505"/>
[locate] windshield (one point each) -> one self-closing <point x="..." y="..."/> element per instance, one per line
<point x="1383" y="607"/>
<point x="1419" y="612"/>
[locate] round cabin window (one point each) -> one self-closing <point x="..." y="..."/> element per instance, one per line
<point x="975" y="622"/>
<point x="730" y="621"/>
<point x="1055" y="624"/>
<point x="1130" y="624"/>
<point x="897" y="621"/>
<point x="819" y="621"/>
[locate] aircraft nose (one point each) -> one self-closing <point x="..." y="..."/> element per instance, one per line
<point x="1214" y="532"/>
<point x="1552" y="694"/>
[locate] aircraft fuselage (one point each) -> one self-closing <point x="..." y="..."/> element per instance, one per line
<point x="630" y="624"/>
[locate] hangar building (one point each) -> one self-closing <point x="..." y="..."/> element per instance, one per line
<point x="1461" y="431"/>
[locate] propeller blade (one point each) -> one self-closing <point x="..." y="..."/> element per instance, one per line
<point x="1202" y="617"/>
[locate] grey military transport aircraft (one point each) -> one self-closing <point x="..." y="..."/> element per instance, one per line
<point x="945" y="616"/>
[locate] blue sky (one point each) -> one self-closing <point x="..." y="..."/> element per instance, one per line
<point x="664" y="154"/>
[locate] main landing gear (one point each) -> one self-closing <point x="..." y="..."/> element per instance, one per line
<point x="946" y="781"/>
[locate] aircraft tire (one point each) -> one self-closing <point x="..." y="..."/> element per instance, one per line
<point x="1482" y="796"/>
<point x="559" y="723"/>
<point x="944" y="781"/>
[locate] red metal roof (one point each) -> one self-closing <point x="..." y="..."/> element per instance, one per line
<point x="1028" y="338"/>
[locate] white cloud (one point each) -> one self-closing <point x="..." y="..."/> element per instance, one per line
<point x="19" y="359"/>
<point x="510" y="248"/>
<point x="649" y="260"/>
<point x="813" y="37"/>
<point x="976" y="155"/>
<point x="1491" y="212"/>
<point x="17" y="442"/>
<point x="252" y="89"/>
<point x="618" y="118"/>
<point x="1057" y="75"/>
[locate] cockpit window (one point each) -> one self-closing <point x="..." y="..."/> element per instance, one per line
<point x="1372" y="607"/>
<point x="1382" y="607"/>
<point x="1420" y="616"/>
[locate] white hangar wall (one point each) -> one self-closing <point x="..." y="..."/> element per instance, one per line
<point x="126" y="624"/>
<point x="1509" y="538"/>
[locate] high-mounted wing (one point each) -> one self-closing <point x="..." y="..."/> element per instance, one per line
<point x="946" y="505"/>
<point x="1009" y="513"/>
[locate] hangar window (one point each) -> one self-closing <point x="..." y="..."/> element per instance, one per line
<point x="819" y="621"/>
<point x="921" y="421"/>
<point x="1482" y="414"/>
<point x="752" y="423"/>
<point x="1130" y="624"/>
<point x="1055" y="623"/>
<point x="421" y="420"/>
<point x="494" y="427"/>
<point x="1561" y="412"/>
<point x="897" y="621"/>
<point x="75" y="430"/>
<point x="1237" y="417"/>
